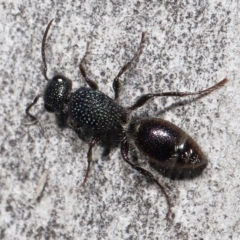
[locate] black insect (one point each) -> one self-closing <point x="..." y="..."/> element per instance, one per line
<point x="168" y="148"/>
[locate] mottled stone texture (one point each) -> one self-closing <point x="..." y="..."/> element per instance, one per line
<point x="190" y="45"/>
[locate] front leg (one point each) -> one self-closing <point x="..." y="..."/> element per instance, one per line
<point x="92" y="84"/>
<point x="61" y="119"/>
<point x="34" y="119"/>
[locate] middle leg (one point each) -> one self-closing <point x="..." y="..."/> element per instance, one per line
<point x="92" y="143"/>
<point x="116" y="83"/>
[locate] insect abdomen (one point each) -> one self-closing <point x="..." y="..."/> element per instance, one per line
<point x="171" y="151"/>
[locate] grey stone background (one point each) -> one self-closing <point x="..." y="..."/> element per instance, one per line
<point x="191" y="45"/>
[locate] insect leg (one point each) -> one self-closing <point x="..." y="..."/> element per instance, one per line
<point x="116" y="83"/>
<point x="144" y="98"/>
<point x="124" y="152"/>
<point x="34" y="119"/>
<point x="90" y="82"/>
<point x="92" y="143"/>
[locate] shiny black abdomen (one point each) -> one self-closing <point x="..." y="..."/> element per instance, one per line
<point x="171" y="151"/>
<point x="93" y="109"/>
